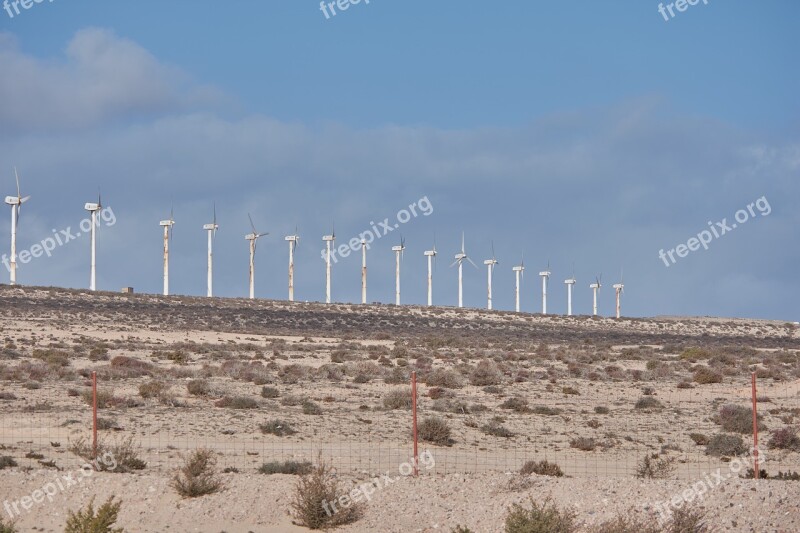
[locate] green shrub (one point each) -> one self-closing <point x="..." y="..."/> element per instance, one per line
<point x="7" y="462"/>
<point x="542" y="468"/>
<point x="89" y="521"/>
<point x="722" y="445"/>
<point x="737" y="419"/>
<point x="435" y="430"/>
<point x="705" y="375"/>
<point x="198" y="475"/>
<point x="544" y="518"/>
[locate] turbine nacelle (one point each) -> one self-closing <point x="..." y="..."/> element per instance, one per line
<point x="519" y="268"/>
<point x="292" y="238"/>
<point x="545" y="273"/>
<point x="430" y="253"/>
<point x="594" y="286"/>
<point x="93" y="207"/>
<point x="618" y="286"/>
<point x="328" y="238"/>
<point x="163" y="223"/>
<point x="211" y="227"/>
<point x="398" y="248"/>
<point x="490" y="262"/>
<point x="571" y="281"/>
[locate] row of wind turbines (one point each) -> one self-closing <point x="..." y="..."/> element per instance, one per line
<point x="519" y="270"/>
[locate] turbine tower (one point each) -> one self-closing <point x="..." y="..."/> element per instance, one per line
<point x="16" y="204"/>
<point x="519" y="271"/>
<point x="93" y="209"/>
<point x="167" y="225"/>
<point x="398" y="252"/>
<point x="545" y="274"/>
<point x="329" y="240"/>
<point x="431" y="255"/>
<point x="595" y="287"/>
<point x="253" y="238"/>
<point x="619" y="288"/>
<point x="292" y="240"/>
<point x="212" y="233"/>
<point x="460" y="257"/>
<point x="490" y="263"/>
<point x="570" y="282"/>
<point x="363" y="271"/>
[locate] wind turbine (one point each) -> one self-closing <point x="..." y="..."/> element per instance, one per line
<point x="93" y="209"/>
<point x="431" y="255"/>
<point x="398" y="252"/>
<point x="460" y="262"/>
<point x="212" y="233"/>
<point x="619" y="288"/>
<point x="363" y="271"/>
<point x="329" y="240"/>
<point x="490" y="263"/>
<point x="167" y="225"/>
<point x="570" y="282"/>
<point x="595" y="287"/>
<point x="519" y="271"/>
<point x="253" y="237"/>
<point x="545" y="274"/>
<point x="16" y="204"/>
<point x="292" y="240"/>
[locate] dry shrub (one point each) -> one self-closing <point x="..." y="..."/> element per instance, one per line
<point x="516" y="403"/>
<point x="705" y="375"/>
<point x="737" y="419"/>
<point x="316" y="502"/>
<point x="237" y="402"/>
<point x="132" y="367"/>
<point x="124" y="452"/>
<point x="397" y="399"/>
<point x="279" y="428"/>
<point x="496" y="429"/>
<point x="88" y="521"/>
<point x="724" y="445"/>
<point x="545" y="411"/>
<point x="648" y="402"/>
<point x="585" y="444"/>
<point x="7" y="527"/>
<point x="653" y="467"/>
<point x="7" y="462"/>
<point x="486" y="373"/>
<point x="198" y="475"/>
<point x="683" y="520"/>
<point x="784" y="439"/>
<point x="602" y="410"/>
<point x="448" y="379"/>
<point x="311" y="408"/>
<point x="542" y="468"/>
<point x="296" y="468"/>
<point x="198" y="387"/>
<point x="270" y="392"/>
<point x="435" y="430"/>
<point x="544" y="518"/>
<point x="699" y="438"/>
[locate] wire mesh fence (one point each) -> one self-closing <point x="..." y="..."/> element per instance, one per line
<point x="588" y="428"/>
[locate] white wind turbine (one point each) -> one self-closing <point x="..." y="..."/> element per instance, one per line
<point x="545" y="274"/>
<point x="490" y="264"/>
<point x="93" y="209"/>
<point x="253" y="238"/>
<point x="329" y="240"/>
<point x="292" y="240"/>
<point x="619" y="288"/>
<point x="431" y="255"/>
<point x="363" y="271"/>
<point x="212" y="234"/>
<point x="519" y="271"/>
<point x="167" y="225"/>
<point x="595" y="287"/>
<point x="398" y="252"/>
<point x="569" y="283"/>
<point x="16" y="205"/>
<point x="460" y="257"/>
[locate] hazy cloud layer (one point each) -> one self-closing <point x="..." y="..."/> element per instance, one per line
<point x="600" y="188"/>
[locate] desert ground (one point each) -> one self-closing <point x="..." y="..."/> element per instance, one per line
<point x="269" y="382"/>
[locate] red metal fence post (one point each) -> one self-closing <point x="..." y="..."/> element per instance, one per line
<point x="414" y="417"/>
<point x="755" y="428"/>
<point x="94" y="415"/>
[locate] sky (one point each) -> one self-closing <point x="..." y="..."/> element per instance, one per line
<point x="601" y="138"/>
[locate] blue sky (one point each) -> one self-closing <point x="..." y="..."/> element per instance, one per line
<point x="586" y="133"/>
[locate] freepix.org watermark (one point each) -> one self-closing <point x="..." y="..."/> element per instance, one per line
<point x="715" y="231"/>
<point x="60" y="238"/>
<point x="679" y="5"/>
<point x="329" y="8"/>
<point x="9" y="5"/>
<point x="59" y="484"/>
<point x="711" y="481"/>
<point x="383" y="228"/>
<point x="366" y="490"/>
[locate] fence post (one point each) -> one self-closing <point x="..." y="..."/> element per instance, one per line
<point x="755" y="427"/>
<point x="414" y="417"/>
<point x="94" y="415"/>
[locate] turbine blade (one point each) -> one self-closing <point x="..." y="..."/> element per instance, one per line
<point x="472" y="262"/>
<point x="17" y="176"/>
<point x="454" y="263"/>
<point x="251" y="224"/>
